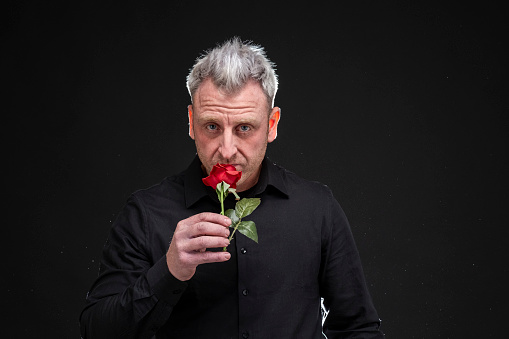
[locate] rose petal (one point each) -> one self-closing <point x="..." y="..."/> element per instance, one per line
<point x="229" y="167"/>
<point x="223" y="172"/>
<point x="211" y="181"/>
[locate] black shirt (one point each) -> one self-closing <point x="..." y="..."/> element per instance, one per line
<point x="272" y="289"/>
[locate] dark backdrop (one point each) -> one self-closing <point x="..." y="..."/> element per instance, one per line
<point x="401" y="109"/>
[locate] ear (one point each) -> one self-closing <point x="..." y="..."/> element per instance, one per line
<point x="190" y="116"/>
<point x="274" y="117"/>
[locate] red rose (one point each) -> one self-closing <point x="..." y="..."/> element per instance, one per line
<point x="222" y="172"/>
<point x="226" y="173"/>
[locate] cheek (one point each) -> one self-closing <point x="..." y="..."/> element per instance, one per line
<point x="255" y="147"/>
<point x="205" y="143"/>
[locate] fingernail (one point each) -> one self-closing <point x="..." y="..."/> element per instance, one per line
<point x="227" y="255"/>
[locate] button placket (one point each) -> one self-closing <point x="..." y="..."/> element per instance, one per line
<point x="244" y="282"/>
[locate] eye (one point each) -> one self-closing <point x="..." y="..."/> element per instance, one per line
<point x="244" y="128"/>
<point x="211" y="127"/>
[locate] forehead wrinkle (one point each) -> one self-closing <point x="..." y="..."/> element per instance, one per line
<point x="239" y="118"/>
<point x="215" y="103"/>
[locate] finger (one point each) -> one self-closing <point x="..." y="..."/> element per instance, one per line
<point x="199" y="243"/>
<point x="206" y="257"/>
<point x="204" y="228"/>
<point x="210" y="217"/>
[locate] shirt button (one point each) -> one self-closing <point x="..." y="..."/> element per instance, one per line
<point x="243" y="250"/>
<point x="245" y="292"/>
<point x="245" y="335"/>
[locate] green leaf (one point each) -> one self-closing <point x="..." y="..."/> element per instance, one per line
<point x="246" y="206"/>
<point x="248" y="228"/>
<point x="234" y="191"/>
<point x="230" y="213"/>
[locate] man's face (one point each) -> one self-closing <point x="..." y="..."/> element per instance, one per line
<point x="232" y="129"/>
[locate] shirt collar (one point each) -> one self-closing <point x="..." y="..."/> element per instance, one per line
<point x="271" y="175"/>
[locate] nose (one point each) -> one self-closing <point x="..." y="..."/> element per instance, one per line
<point x="228" y="146"/>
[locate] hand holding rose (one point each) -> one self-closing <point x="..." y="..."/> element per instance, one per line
<point x="223" y="178"/>
<point x="191" y="239"/>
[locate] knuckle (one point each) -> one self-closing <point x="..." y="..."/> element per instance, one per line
<point x="180" y="225"/>
<point x="202" y="216"/>
<point x="202" y="242"/>
<point x="200" y="227"/>
<point x="177" y="235"/>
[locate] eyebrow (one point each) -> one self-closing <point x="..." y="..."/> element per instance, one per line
<point x="208" y="117"/>
<point x="213" y="118"/>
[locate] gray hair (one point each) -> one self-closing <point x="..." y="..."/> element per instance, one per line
<point x="231" y="65"/>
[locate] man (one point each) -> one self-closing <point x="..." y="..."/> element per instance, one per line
<point x="163" y="273"/>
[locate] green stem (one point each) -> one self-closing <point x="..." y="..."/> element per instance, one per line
<point x="221" y="199"/>
<point x="231" y="235"/>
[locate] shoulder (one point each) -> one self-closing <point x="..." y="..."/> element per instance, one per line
<point x="168" y="188"/>
<point x="313" y="198"/>
<point x="296" y="184"/>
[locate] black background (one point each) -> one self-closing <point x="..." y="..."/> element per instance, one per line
<point x="400" y="108"/>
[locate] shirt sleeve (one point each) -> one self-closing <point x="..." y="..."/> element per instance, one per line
<point x="346" y="299"/>
<point x="132" y="296"/>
